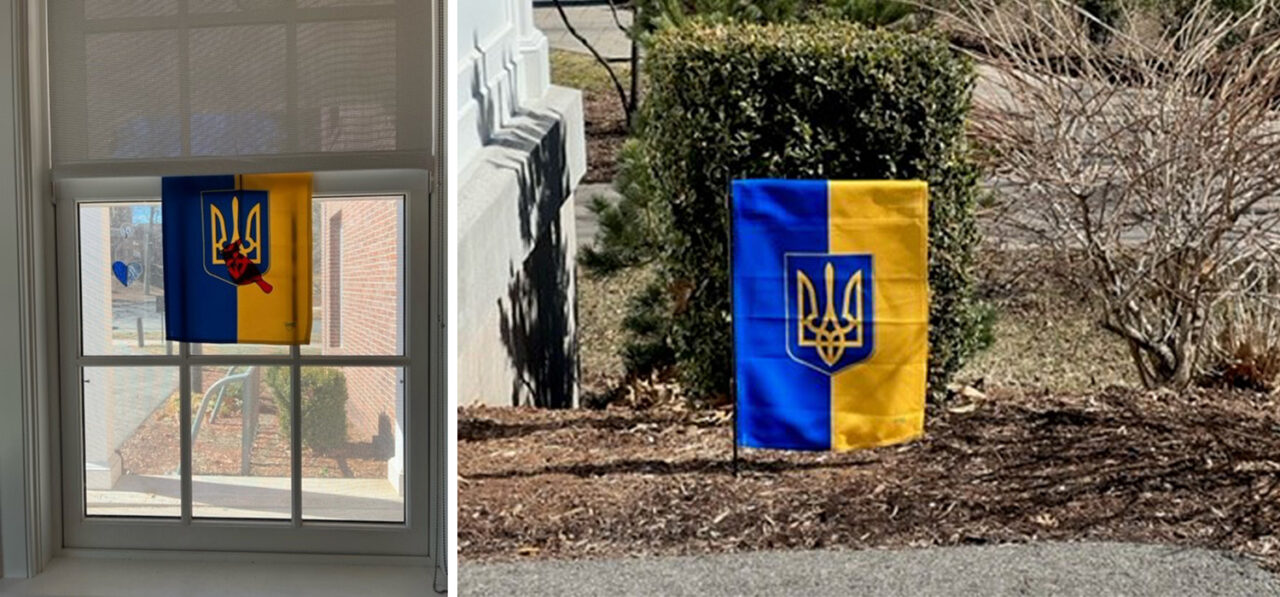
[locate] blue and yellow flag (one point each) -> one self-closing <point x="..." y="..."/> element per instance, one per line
<point x="237" y="258"/>
<point x="830" y="312"/>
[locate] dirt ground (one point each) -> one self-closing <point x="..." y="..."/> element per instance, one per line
<point x="1200" y="469"/>
<point x="154" y="448"/>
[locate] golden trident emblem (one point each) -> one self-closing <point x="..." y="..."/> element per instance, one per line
<point x="250" y="246"/>
<point x="830" y="336"/>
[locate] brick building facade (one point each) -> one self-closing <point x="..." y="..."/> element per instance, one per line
<point x="361" y="300"/>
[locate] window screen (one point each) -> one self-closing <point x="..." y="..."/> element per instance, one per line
<point x="158" y="79"/>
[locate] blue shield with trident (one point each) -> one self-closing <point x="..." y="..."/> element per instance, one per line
<point x="830" y="310"/>
<point x="233" y="225"/>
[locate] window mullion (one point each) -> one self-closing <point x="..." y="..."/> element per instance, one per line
<point x="184" y="421"/>
<point x="295" y="434"/>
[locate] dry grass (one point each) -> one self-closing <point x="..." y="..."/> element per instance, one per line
<point x="602" y="306"/>
<point x="581" y="71"/>
<point x="1046" y="336"/>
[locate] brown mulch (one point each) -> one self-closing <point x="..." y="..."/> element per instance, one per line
<point x="1200" y="469"/>
<point x="606" y="129"/>
<point x="154" y="449"/>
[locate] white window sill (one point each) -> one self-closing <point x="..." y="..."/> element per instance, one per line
<point x="101" y="577"/>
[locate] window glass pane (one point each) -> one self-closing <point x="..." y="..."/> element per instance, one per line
<point x="240" y="442"/>
<point x="353" y="443"/>
<point x="357" y="276"/>
<point x="131" y="441"/>
<point x="122" y="279"/>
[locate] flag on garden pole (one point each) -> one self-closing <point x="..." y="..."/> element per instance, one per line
<point x="237" y="258"/>
<point x="830" y="312"/>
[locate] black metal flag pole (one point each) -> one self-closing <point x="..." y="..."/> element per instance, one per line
<point x="733" y="324"/>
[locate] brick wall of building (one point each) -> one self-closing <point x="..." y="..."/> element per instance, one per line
<point x="361" y="242"/>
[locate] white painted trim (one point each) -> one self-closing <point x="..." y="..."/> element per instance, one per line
<point x="444" y="513"/>
<point x="27" y="522"/>
<point x="243" y="359"/>
<point x="533" y="66"/>
<point x="49" y="492"/>
<point x="244" y="556"/>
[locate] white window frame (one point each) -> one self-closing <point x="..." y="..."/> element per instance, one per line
<point x="421" y="251"/>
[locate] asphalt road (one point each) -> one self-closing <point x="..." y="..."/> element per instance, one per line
<point x="1085" y="569"/>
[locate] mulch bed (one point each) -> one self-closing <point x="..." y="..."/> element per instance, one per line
<point x="605" y="123"/>
<point x="1198" y="469"/>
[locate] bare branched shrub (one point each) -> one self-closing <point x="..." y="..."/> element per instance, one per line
<point x="1242" y="346"/>
<point x="1150" y="162"/>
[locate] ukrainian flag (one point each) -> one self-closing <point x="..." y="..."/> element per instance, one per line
<point x="830" y="312"/>
<point x="237" y="258"/>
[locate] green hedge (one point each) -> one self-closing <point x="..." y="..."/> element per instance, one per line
<point x="803" y="101"/>
<point x="324" y="405"/>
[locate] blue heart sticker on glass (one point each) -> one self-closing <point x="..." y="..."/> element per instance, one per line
<point x="121" y="271"/>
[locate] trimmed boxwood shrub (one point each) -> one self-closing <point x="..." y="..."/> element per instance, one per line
<point x="802" y="101"/>
<point x="324" y="405"/>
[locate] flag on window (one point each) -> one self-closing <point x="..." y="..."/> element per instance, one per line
<point x="237" y="258"/>
<point x="830" y="312"/>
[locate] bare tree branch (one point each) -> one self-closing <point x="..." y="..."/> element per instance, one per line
<point x="623" y="98"/>
<point x="613" y="9"/>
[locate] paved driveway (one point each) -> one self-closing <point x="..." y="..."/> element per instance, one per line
<point x="1085" y="569"/>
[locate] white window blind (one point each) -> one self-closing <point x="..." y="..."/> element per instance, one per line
<point x="157" y="80"/>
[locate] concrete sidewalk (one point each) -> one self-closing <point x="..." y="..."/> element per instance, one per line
<point x="593" y="22"/>
<point x="1085" y="569"/>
